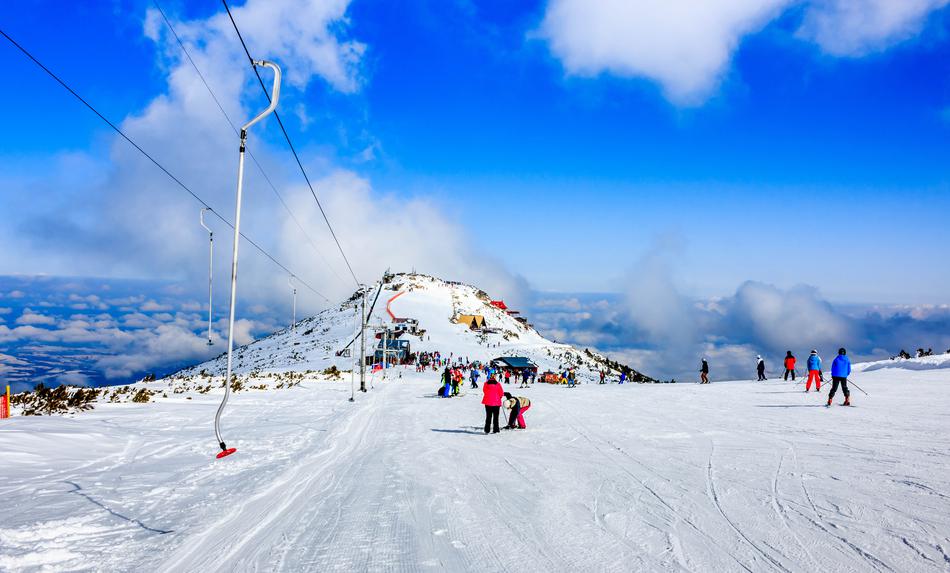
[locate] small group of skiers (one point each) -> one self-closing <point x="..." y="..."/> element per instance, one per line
<point x="493" y="397"/>
<point x="451" y="382"/>
<point x="840" y="370"/>
<point x="789" y="364"/>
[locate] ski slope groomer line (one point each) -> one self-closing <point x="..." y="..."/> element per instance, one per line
<point x="733" y="476"/>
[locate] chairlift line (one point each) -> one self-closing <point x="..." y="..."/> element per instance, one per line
<point x="152" y="159"/>
<point x="225" y="451"/>
<point x="260" y="167"/>
<point x="290" y="144"/>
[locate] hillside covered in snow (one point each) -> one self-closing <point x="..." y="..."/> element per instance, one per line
<point x="437" y="306"/>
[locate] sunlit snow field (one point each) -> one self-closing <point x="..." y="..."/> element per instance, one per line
<point x="733" y="476"/>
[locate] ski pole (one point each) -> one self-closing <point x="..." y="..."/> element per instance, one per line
<point x="858" y="387"/>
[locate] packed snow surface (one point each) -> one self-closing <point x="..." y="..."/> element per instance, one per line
<point x="733" y="476"/>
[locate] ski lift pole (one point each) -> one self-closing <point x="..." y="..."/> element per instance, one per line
<point x="293" y="324"/>
<point x="356" y="308"/>
<point x="201" y="218"/>
<point x="363" y="339"/>
<point x="275" y="94"/>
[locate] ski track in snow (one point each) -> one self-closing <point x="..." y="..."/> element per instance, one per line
<point x="731" y="476"/>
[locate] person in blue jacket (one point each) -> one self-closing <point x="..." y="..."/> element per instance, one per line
<point x="840" y="370"/>
<point x="814" y="371"/>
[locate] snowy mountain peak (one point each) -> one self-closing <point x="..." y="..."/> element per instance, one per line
<point x="424" y="313"/>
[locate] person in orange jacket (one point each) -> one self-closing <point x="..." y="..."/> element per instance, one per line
<point x="492" y="393"/>
<point x="789" y="365"/>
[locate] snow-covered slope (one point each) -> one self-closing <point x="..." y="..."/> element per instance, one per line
<point x="734" y="476"/>
<point x="932" y="362"/>
<point x="435" y="303"/>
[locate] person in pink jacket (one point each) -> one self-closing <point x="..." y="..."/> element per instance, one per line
<point x="492" y="393"/>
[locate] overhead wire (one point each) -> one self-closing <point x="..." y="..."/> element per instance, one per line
<point x="154" y="161"/>
<point x="291" y="145"/>
<point x="234" y="127"/>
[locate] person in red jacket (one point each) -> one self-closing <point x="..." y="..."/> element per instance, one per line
<point x="789" y="365"/>
<point x="492" y="393"/>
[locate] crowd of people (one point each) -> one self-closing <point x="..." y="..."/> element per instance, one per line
<point x="453" y="376"/>
<point x="840" y="370"/>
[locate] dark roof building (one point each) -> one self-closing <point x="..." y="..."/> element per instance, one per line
<point x="516" y="362"/>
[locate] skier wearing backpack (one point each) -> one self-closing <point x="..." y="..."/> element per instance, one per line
<point x="518" y="406"/>
<point x="840" y="370"/>
<point x="704" y="373"/>
<point x="814" y="371"/>
<point x="492" y="393"/>
<point x="760" y="368"/>
<point x="789" y="365"/>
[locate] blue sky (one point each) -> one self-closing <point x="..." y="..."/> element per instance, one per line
<point x="805" y="153"/>
<point x="527" y="146"/>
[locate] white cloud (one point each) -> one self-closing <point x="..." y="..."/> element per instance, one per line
<point x="385" y="231"/>
<point x="686" y="46"/>
<point x="30" y="317"/>
<point x="857" y="27"/>
<point x="683" y="45"/>
<point x="152" y="306"/>
<point x="72" y="378"/>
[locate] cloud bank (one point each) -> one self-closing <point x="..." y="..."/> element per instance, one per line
<point x="686" y="46"/>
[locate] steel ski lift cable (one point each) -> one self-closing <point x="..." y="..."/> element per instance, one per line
<point x="155" y="162"/>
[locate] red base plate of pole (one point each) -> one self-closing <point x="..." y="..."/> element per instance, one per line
<point x="226" y="452"/>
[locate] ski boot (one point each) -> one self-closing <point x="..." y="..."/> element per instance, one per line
<point x="829" y="402"/>
<point x="847" y="401"/>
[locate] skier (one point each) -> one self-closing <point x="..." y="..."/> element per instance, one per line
<point x="602" y="377"/>
<point x="456" y="381"/>
<point x="623" y="376"/>
<point x="507" y="376"/>
<point x="474" y="377"/>
<point x="518" y="407"/>
<point x="525" y="374"/>
<point x="571" y="380"/>
<point x="492" y="393"/>
<point x="814" y="371"/>
<point x="789" y="365"/>
<point x="760" y="367"/>
<point x="704" y="373"/>
<point x="447" y="381"/>
<point x="840" y="370"/>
